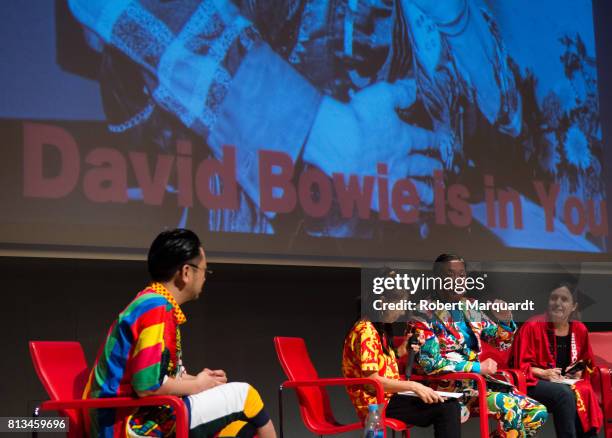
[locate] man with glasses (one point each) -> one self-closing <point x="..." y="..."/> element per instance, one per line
<point x="142" y="357"/>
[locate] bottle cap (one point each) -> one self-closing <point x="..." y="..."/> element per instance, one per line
<point x="372" y="408"/>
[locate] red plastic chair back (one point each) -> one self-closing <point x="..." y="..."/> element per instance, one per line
<point x="313" y="401"/>
<point x="601" y="343"/>
<point x="63" y="371"/>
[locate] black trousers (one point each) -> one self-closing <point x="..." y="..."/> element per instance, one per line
<point x="560" y="401"/>
<point x="445" y="417"/>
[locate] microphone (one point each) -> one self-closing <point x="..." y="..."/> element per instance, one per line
<point x="413" y="340"/>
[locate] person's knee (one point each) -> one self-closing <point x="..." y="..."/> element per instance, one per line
<point x="451" y="411"/>
<point x="534" y="418"/>
<point x="565" y="396"/>
<point x="244" y="388"/>
<point x="539" y="413"/>
<point x="254" y="407"/>
<point x="452" y="407"/>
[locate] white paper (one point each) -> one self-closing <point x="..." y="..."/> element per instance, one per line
<point x="568" y="381"/>
<point x="441" y="393"/>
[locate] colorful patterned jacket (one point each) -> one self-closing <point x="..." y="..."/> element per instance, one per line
<point x="445" y="348"/>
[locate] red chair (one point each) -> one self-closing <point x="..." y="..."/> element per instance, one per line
<point x="601" y="343"/>
<point x="313" y="399"/>
<point x="63" y="371"/>
<point x="502" y="358"/>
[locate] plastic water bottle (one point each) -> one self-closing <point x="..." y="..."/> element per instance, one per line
<point x="373" y="423"/>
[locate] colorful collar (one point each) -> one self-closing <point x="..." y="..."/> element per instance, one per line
<point x="160" y="289"/>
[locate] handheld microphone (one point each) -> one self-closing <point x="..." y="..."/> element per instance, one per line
<point x="413" y="340"/>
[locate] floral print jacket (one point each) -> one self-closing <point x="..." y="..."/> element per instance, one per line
<point x="445" y="348"/>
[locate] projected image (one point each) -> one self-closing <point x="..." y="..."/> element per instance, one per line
<point x="393" y="121"/>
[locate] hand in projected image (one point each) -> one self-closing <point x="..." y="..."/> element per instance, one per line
<point x="353" y="137"/>
<point x="446" y="146"/>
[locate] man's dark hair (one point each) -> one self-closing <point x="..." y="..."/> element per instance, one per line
<point x="445" y="258"/>
<point x="169" y="251"/>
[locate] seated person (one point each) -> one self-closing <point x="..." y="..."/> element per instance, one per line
<point x="452" y="342"/>
<point x="142" y="356"/>
<point x="544" y="347"/>
<point x="367" y="352"/>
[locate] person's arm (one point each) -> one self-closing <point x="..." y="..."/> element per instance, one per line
<point x="499" y="334"/>
<point x="585" y="351"/>
<point x="149" y="375"/>
<point x="182" y="386"/>
<point x="218" y="374"/>
<point x="243" y="94"/>
<point x="551" y="374"/>
<point x="431" y="359"/>
<point x="229" y="87"/>
<point x="369" y="352"/>
<point x="525" y="355"/>
<point x="425" y="393"/>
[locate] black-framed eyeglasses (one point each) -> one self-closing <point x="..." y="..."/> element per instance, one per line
<point x="207" y="272"/>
